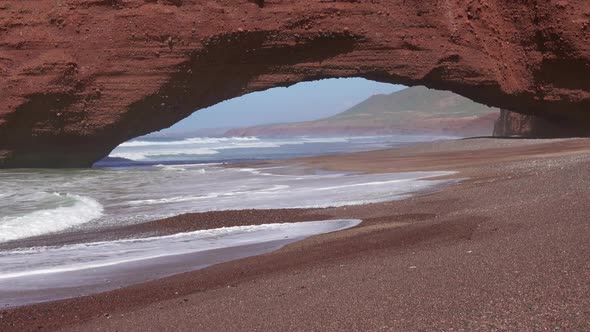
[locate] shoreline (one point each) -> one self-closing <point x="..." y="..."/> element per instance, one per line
<point x="185" y="252"/>
<point x="423" y="230"/>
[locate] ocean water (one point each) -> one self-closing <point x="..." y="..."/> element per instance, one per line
<point x="232" y="149"/>
<point x="145" y="180"/>
<point x="168" y="181"/>
<point x="39" y="202"/>
<point x="74" y="257"/>
<point x="41" y="274"/>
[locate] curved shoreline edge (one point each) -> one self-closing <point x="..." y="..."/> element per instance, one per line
<point x="90" y="268"/>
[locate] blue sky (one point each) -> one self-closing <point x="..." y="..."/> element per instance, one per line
<point x="300" y="102"/>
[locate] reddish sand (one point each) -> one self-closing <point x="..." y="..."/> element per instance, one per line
<point x="506" y="249"/>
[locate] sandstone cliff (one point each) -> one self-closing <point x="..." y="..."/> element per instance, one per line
<point x="79" y="77"/>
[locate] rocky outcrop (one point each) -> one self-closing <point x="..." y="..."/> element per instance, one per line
<point x="542" y="126"/>
<point x="81" y="76"/>
<point x="513" y="124"/>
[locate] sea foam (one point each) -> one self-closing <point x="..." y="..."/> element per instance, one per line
<point x="49" y="260"/>
<point x="143" y="150"/>
<point x="199" y="140"/>
<point x="77" y="269"/>
<point x="79" y="210"/>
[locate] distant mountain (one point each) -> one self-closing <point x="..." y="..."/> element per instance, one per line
<point x="415" y="110"/>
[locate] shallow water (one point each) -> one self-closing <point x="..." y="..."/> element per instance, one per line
<point x="48" y="273"/>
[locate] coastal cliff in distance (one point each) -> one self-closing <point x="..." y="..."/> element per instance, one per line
<point x="416" y="110"/>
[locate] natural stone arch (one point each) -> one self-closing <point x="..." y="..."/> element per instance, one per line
<point x="80" y="78"/>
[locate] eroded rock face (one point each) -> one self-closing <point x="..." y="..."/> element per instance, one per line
<point x="548" y="125"/>
<point x="81" y="76"/>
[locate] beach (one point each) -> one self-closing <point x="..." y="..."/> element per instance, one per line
<point x="504" y="247"/>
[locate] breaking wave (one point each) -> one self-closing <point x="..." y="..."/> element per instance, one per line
<point x="72" y="210"/>
<point x="198" y="140"/>
<point x="142" y="150"/>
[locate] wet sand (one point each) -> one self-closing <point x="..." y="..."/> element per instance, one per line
<point x="505" y="249"/>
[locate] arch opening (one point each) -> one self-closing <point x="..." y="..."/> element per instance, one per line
<point x="316" y="117"/>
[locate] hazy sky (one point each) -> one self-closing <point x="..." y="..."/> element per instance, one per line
<point x="301" y="102"/>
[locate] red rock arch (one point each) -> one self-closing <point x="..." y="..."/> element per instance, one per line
<point x="81" y="76"/>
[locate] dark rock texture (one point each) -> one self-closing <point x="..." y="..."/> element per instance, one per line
<point x="79" y="77"/>
<point x="550" y="125"/>
<point x="511" y="124"/>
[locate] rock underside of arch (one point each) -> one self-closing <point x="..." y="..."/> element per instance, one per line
<point x="81" y="76"/>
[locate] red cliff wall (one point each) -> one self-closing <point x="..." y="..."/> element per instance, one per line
<point x="79" y="77"/>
